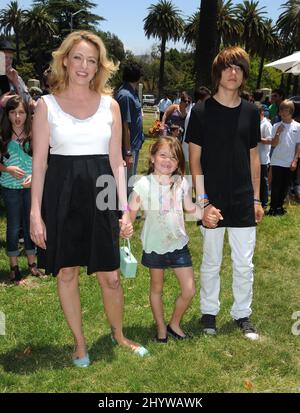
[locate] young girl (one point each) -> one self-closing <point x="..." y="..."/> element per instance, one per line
<point x="163" y="194"/>
<point x="15" y="180"/>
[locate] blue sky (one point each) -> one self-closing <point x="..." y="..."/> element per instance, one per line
<point x="125" y="18"/>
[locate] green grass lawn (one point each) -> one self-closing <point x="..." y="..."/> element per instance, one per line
<point x="35" y="351"/>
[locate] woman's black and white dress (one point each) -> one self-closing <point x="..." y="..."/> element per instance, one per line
<point x="79" y="233"/>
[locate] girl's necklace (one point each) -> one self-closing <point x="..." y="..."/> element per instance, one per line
<point x="19" y="136"/>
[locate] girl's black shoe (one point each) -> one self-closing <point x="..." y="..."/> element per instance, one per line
<point x="161" y="340"/>
<point x="176" y="336"/>
<point x="15" y="274"/>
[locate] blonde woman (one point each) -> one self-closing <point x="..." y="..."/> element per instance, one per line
<point x="81" y="123"/>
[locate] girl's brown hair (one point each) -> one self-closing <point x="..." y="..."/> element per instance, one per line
<point x="6" y="126"/>
<point x="176" y="150"/>
<point x="58" y="79"/>
<point x="230" y="56"/>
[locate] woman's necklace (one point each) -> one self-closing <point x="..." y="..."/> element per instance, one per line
<point x="19" y="136"/>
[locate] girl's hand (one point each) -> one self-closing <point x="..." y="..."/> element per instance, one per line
<point x="127" y="232"/>
<point x="38" y="232"/>
<point x="126" y="228"/>
<point x="27" y="182"/>
<point x="293" y="166"/>
<point x="211" y="216"/>
<point x="15" y="171"/>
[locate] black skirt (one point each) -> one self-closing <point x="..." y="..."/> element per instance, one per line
<point x="79" y="233"/>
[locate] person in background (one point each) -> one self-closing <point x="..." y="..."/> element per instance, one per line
<point x="175" y="131"/>
<point x="131" y="113"/>
<point x="175" y="115"/>
<point x="164" y="103"/>
<point x="11" y="83"/>
<point x="258" y="97"/>
<point x="277" y="96"/>
<point x="200" y="95"/>
<point x="15" y="181"/>
<point x="264" y="147"/>
<point x="286" y="143"/>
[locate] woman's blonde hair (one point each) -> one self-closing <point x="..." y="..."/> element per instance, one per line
<point x="106" y="68"/>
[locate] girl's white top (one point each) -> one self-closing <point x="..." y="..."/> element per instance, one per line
<point x="164" y="229"/>
<point x="72" y="136"/>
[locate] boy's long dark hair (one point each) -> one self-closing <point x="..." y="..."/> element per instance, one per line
<point x="6" y="126"/>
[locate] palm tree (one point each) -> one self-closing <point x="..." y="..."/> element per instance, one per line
<point x="165" y="23"/>
<point x="229" y="28"/>
<point x="251" y="17"/>
<point x="38" y="23"/>
<point x="288" y="22"/>
<point x="268" y="46"/>
<point x="39" y="35"/>
<point x="11" y="20"/>
<point x="206" y="45"/>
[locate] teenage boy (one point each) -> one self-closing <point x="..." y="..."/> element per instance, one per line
<point x="286" y="140"/>
<point x="223" y="135"/>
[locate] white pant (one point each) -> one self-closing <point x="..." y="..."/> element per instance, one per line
<point x="242" y="243"/>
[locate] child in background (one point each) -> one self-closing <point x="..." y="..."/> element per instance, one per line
<point x="163" y="194"/>
<point x="15" y="180"/>
<point x="264" y="148"/>
<point x="286" y="140"/>
<point x="175" y="131"/>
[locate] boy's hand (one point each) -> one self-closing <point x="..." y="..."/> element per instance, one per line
<point x="211" y="216"/>
<point x="259" y="212"/>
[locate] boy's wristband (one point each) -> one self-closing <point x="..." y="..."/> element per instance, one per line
<point x="202" y="197"/>
<point x="206" y="205"/>
<point x="257" y="201"/>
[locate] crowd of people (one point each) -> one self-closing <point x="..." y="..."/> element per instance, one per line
<point x="81" y="147"/>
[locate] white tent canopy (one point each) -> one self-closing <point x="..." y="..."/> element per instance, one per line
<point x="288" y="64"/>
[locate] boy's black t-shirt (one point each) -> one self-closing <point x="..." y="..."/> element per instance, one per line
<point x="226" y="136"/>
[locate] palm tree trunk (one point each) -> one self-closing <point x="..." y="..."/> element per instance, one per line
<point x="296" y="84"/>
<point x="282" y="81"/>
<point x="261" y="67"/>
<point x="206" y="42"/>
<point x="17" y="45"/>
<point x="288" y="84"/>
<point x="162" y="66"/>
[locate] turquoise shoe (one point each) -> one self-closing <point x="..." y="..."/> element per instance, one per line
<point x="81" y="362"/>
<point x="139" y="351"/>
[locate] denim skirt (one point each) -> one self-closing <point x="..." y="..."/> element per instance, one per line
<point x="176" y="259"/>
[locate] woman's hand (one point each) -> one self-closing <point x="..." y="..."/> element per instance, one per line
<point x="126" y="228"/>
<point x="38" y="231"/>
<point x="15" y="171"/>
<point x="27" y="182"/>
